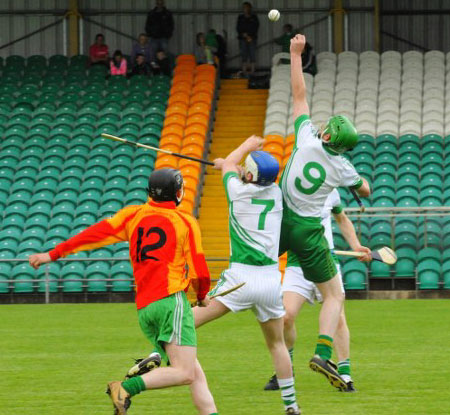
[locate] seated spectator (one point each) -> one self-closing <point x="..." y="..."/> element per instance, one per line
<point x="309" y="60"/>
<point x="203" y="53"/>
<point x="161" y="65"/>
<point x="98" y="52"/>
<point x="142" y="47"/>
<point x="285" y="39"/>
<point x="118" y="64"/>
<point x="141" y="67"/>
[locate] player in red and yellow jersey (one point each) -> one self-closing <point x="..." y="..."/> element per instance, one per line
<point x="162" y="241"/>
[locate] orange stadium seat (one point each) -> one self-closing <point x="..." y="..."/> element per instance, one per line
<point x="205" y="68"/>
<point x="275" y="149"/>
<point x="173" y="130"/>
<point x="183" y="77"/>
<point x="179" y="98"/>
<point x="201" y="87"/>
<point x="201" y="119"/>
<point x="192" y="150"/>
<point x="179" y="109"/>
<point x="195" y="129"/>
<point x="203" y="97"/>
<point x="169" y="162"/>
<point x="194" y="165"/>
<point x="288" y="149"/>
<point x="184" y="67"/>
<point x="194" y="139"/>
<point x="206" y="77"/>
<point x="180" y="87"/>
<point x="170" y="139"/>
<point x="290" y="139"/>
<point x="185" y="58"/>
<point x="274" y="138"/>
<point x="199" y="108"/>
<point x="190" y="172"/>
<point x="175" y="119"/>
<point x="187" y="206"/>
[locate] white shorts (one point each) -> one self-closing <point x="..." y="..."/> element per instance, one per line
<point x="261" y="292"/>
<point x="294" y="281"/>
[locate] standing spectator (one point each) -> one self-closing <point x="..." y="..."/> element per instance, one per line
<point x="161" y="65"/>
<point x="142" y="47"/>
<point x="222" y="54"/>
<point x="118" y="64"/>
<point x="159" y="28"/>
<point x="141" y="67"/>
<point x="203" y="53"/>
<point x="98" y="52"/>
<point x="247" y="28"/>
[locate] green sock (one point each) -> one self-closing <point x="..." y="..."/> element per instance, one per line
<point x="291" y="355"/>
<point x="344" y="367"/>
<point x="324" y="346"/>
<point x="134" y="385"/>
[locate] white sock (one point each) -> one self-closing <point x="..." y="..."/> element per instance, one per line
<point x="288" y="393"/>
<point x="346" y="378"/>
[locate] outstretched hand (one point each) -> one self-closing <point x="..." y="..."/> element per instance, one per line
<point x="36" y="260"/>
<point x="298" y="44"/>
<point x="218" y="163"/>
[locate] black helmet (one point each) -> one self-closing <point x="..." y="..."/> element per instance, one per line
<point x="164" y="184"/>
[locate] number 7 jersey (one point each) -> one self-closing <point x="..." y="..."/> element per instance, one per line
<point x="312" y="172"/>
<point x="255" y="214"/>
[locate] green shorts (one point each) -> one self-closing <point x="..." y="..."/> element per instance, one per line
<point x="304" y="239"/>
<point x="169" y="320"/>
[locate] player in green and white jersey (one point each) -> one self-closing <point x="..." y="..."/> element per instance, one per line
<point x="297" y="290"/>
<point x="315" y="168"/>
<point x="255" y="213"/>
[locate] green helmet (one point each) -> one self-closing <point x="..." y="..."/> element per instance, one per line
<point x="343" y="135"/>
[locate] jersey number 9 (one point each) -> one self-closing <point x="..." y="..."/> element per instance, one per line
<point x="316" y="182"/>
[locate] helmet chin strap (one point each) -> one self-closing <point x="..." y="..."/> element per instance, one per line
<point x="179" y="199"/>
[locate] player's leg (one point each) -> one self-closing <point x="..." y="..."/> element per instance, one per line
<point x="201" y="396"/>
<point x="273" y="334"/>
<point x="342" y="349"/>
<point x="333" y="299"/>
<point x="203" y="315"/>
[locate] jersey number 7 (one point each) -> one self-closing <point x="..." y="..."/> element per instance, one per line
<point x="269" y="204"/>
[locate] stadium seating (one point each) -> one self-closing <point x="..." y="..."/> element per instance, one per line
<point x="57" y="175"/>
<point x="187" y="122"/>
<point x="397" y="102"/>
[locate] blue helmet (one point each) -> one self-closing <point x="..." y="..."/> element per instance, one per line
<point x="263" y="166"/>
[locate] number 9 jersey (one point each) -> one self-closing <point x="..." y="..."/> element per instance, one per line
<point x="312" y="172"/>
<point x="162" y="241"/>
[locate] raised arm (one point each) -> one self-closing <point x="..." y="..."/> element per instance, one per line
<point x="231" y="163"/>
<point x="297" y="81"/>
<point x="349" y="233"/>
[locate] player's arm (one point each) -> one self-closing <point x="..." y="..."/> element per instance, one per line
<point x="231" y="163"/>
<point x="363" y="188"/>
<point x="105" y="232"/>
<point x="297" y="80"/>
<point x="349" y="233"/>
<point x="195" y="257"/>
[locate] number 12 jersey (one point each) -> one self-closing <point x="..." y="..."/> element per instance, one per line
<point x="162" y="241"/>
<point x="312" y="172"/>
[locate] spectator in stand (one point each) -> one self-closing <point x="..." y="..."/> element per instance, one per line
<point x="247" y="28"/>
<point x="159" y="28"/>
<point x="285" y="39"/>
<point x="142" y="47"/>
<point x="141" y="67"/>
<point x="203" y="53"/>
<point x="222" y="54"/>
<point x="118" y="64"/>
<point x="98" y="52"/>
<point x="309" y="60"/>
<point x="161" y="65"/>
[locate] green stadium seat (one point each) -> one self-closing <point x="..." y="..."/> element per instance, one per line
<point x="380" y="270"/>
<point x="23" y="284"/>
<point x="110" y="209"/>
<point x="428" y="274"/>
<point x="122" y="271"/>
<point x="97" y="271"/>
<point x="405" y="266"/>
<point x="30" y="245"/>
<point x="105" y="252"/>
<point x="84" y="221"/>
<point x="92" y="183"/>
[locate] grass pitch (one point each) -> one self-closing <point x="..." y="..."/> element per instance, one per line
<point x="57" y="359"/>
